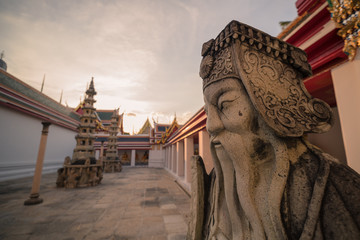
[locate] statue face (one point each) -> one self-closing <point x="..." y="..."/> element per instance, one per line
<point x="229" y="110"/>
<point x="232" y="125"/>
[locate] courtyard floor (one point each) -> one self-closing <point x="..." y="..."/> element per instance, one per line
<point x="137" y="203"/>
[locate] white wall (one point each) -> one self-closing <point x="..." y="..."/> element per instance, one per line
<point x="331" y="141"/>
<point x="156" y="158"/>
<point x="346" y="80"/>
<point x="19" y="144"/>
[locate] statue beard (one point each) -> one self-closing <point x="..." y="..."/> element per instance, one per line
<point x="252" y="208"/>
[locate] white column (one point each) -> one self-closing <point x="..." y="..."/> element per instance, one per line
<point x="180" y="158"/>
<point x="204" y="150"/>
<point x="173" y="158"/>
<point x="169" y="157"/>
<point x="346" y="80"/>
<point x="101" y="151"/>
<point x="166" y="158"/>
<point x="163" y="155"/>
<point x="189" y="152"/>
<point x="133" y="154"/>
<point x="34" y="195"/>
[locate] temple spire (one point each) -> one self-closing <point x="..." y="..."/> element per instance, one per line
<point x="83" y="170"/>
<point x="61" y="96"/>
<point x="42" y="84"/>
<point x="112" y="162"/>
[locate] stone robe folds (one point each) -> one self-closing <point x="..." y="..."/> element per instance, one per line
<point x="317" y="203"/>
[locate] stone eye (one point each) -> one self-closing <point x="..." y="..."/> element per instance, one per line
<point x="223" y="104"/>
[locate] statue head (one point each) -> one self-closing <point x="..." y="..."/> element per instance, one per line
<point x="271" y="72"/>
<point x="255" y="101"/>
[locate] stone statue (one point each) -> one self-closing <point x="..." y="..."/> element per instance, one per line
<point x="93" y="178"/>
<point x="73" y="178"/>
<point x="268" y="182"/>
<point x="60" y="181"/>
<point x="125" y="158"/>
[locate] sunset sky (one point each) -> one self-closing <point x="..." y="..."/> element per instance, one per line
<point x="144" y="55"/>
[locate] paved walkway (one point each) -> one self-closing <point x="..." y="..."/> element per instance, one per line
<point x="138" y="203"/>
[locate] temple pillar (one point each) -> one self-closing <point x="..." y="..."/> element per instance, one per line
<point x="189" y="152"/>
<point x="164" y="154"/>
<point x="173" y="158"/>
<point x="204" y="150"/>
<point x="170" y="158"/>
<point x="34" y="195"/>
<point x="101" y="150"/>
<point x="133" y="154"/>
<point x="167" y="157"/>
<point x="180" y="158"/>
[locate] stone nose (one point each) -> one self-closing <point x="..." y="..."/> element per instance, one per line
<point x="214" y="124"/>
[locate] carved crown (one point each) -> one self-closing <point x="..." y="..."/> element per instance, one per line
<point x="217" y="63"/>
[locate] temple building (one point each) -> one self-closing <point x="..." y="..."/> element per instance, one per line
<point x="141" y="149"/>
<point x="328" y="32"/>
<point x="22" y="110"/>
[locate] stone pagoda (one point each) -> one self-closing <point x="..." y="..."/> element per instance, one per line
<point x="112" y="161"/>
<point x="83" y="169"/>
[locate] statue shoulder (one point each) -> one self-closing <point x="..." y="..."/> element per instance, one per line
<point x="200" y="188"/>
<point x="340" y="211"/>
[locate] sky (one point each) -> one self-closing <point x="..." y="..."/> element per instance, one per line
<point x="144" y="55"/>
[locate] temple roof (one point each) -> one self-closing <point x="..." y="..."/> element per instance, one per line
<point x="145" y="129"/>
<point x="169" y="132"/>
<point x="3" y="64"/>
<point x="105" y="114"/>
<point x="16" y="94"/>
<point x="104" y="117"/>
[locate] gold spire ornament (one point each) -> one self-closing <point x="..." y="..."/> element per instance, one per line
<point x="345" y="14"/>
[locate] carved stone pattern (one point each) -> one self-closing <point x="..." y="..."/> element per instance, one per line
<point x="262" y="41"/>
<point x="297" y="110"/>
<point x="206" y="66"/>
<point x="111" y="166"/>
<point x="222" y="66"/>
<point x="73" y="176"/>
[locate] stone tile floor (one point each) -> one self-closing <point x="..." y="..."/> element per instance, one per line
<point x="137" y="203"/>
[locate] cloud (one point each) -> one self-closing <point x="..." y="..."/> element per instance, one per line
<point x="143" y="55"/>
